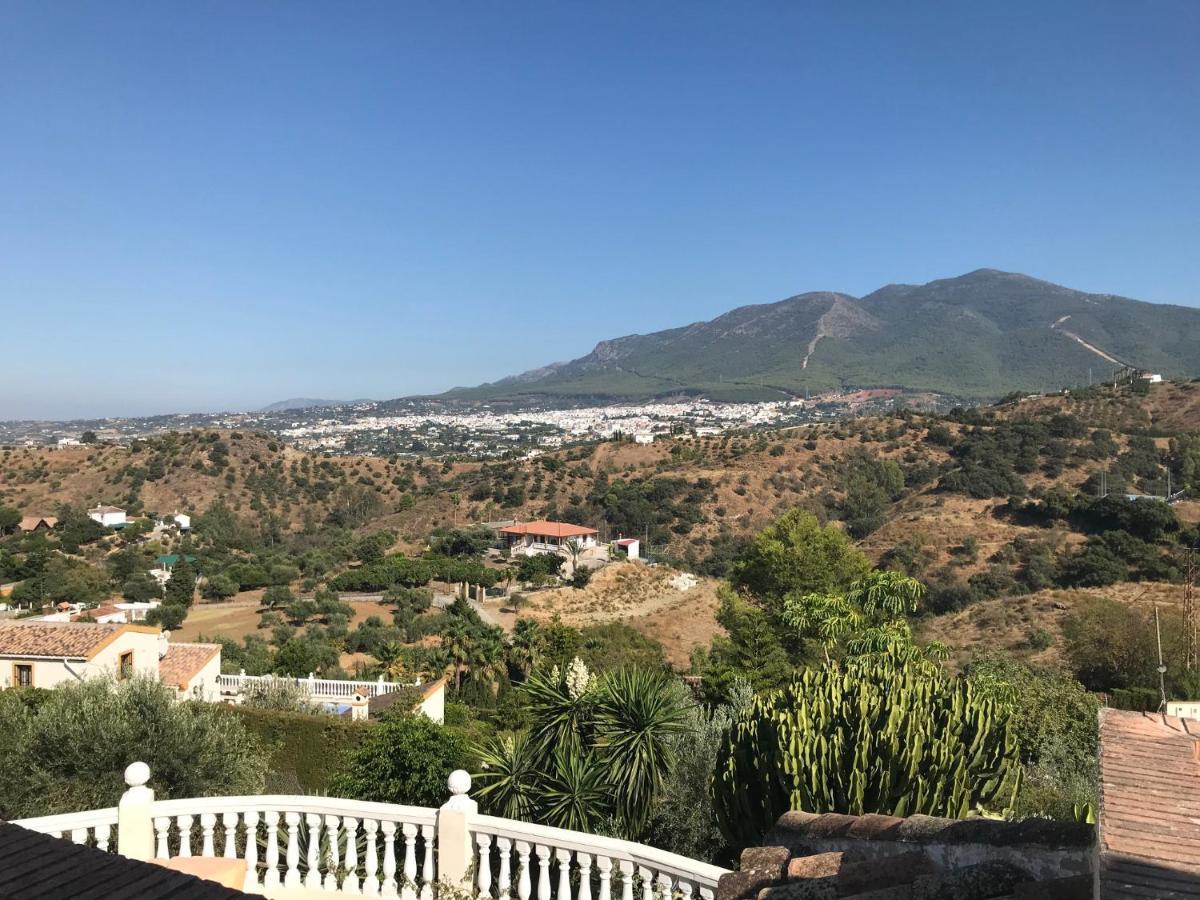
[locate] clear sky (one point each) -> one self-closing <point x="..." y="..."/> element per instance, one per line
<point x="221" y="204"/>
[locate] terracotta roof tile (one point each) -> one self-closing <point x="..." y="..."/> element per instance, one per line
<point x="183" y="661"/>
<point x="56" y="640"/>
<point x="544" y="528"/>
<point x="1149" y="822"/>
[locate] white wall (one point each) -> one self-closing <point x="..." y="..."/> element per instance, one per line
<point x="203" y="685"/>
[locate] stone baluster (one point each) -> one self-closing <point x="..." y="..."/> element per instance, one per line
<point x="102" y="833"/>
<point x="564" y="873"/>
<point x="162" y="829"/>
<point x="350" y="884"/>
<point x="647" y="883"/>
<point x="389" y="859"/>
<point x="79" y="835"/>
<point x="664" y="884"/>
<point x="706" y="893"/>
<point x="250" y="817"/>
<point x="427" y="832"/>
<point x="685" y="889"/>
<point x="331" y="834"/>
<point x="271" y="858"/>
<point x="229" y="822"/>
<point x="135" y="812"/>
<point x="208" y="823"/>
<point x="543" y="855"/>
<point x="523" y="886"/>
<point x="409" y="891"/>
<point x="371" y="880"/>
<point x="627" y="879"/>
<point x="185" y="834"/>
<point x="504" y="848"/>
<point x="604" y="868"/>
<point x="484" y="869"/>
<point x="585" y="875"/>
<point x="292" y="877"/>
<point x="312" y="878"/>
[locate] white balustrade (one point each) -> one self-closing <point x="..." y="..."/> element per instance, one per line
<point x="349" y="847"/>
<point x="584" y="865"/>
<point x="315" y="843"/>
<point x="97" y="827"/>
<point x="330" y="689"/>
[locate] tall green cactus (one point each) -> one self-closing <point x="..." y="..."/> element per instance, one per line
<point x="870" y="737"/>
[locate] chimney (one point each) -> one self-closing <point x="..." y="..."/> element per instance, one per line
<point x="164" y="643"/>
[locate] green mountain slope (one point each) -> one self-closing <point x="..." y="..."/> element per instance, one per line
<point x="982" y="334"/>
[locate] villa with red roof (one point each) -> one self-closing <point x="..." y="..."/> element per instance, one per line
<point x="542" y="536"/>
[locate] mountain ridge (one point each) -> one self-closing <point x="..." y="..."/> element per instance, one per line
<point x="977" y="335"/>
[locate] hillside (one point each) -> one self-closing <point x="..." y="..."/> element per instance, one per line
<point x="980" y="335"/>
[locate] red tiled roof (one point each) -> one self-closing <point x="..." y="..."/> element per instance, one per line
<point x="543" y="528"/>
<point x="183" y="661"/>
<point x="1149" y="817"/>
<point x="59" y="640"/>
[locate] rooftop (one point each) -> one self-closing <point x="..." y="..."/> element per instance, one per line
<point x="58" y="640"/>
<point x="544" y="528"/>
<point x="1149" y="823"/>
<point x="106" y="509"/>
<point x="183" y="661"/>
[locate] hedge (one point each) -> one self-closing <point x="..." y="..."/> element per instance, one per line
<point x="306" y="750"/>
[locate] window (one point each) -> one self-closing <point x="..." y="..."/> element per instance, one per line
<point x="22" y="675"/>
<point x="126" y="667"/>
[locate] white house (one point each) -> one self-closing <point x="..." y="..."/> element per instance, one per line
<point x="183" y="520"/>
<point x="47" y="654"/>
<point x="532" y="538"/>
<point x="108" y="516"/>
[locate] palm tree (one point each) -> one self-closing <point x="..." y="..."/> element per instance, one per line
<point x="638" y="715"/>
<point x="575" y="794"/>
<point x="458" y="642"/>
<point x="524" y="647"/>
<point x="573" y="548"/>
<point x="488" y="660"/>
<point x="509" y="783"/>
<point x="390" y="656"/>
<point x="437" y="662"/>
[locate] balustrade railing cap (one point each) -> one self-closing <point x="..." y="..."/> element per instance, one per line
<point x="137" y="774"/>
<point x="459" y="782"/>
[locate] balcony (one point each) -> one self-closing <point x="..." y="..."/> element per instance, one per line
<point x="294" y="846"/>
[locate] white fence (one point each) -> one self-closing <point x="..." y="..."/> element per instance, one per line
<point x="318" y="688"/>
<point x="355" y="848"/>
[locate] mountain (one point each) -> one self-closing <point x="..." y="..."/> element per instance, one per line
<point x="979" y="335"/>
<point x="304" y="403"/>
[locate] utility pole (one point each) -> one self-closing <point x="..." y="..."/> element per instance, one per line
<point x="1162" y="667"/>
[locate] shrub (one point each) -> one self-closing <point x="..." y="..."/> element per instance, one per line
<point x="404" y="759"/>
<point x="70" y="751"/>
<point x="304" y="750"/>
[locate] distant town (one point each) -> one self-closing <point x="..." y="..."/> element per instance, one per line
<point x="421" y="427"/>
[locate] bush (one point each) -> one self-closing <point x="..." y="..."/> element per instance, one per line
<point x="304" y="750"/>
<point x="281" y="694"/>
<point x="69" y="752"/>
<point x="404" y="759"/>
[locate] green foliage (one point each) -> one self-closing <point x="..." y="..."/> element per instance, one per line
<point x="750" y="651"/>
<point x="193" y="749"/>
<point x="305" y="750"/>
<point x="472" y="541"/>
<point x="797" y="554"/>
<point x="181" y="586"/>
<point x="874" y="737"/>
<point x="1113" y="645"/>
<point x="599" y="749"/>
<point x="539" y="568"/>
<point x="1055" y="721"/>
<point x="405" y="759"/>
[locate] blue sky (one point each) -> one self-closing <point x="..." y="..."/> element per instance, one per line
<point x="217" y="205"/>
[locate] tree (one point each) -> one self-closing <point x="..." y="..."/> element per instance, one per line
<point x="301" y="656"/>
<point x="281" y="694"/>
<point x="168" y="616"/>
<point x="194" y="749"/>
<point x="873" y="737"/>
<point x="181" y="586"/>
<point x="750" y="651"/>
<point x="10" y="518"/>
<point x="525" y="644"/>
<point x="1112" y="645"/>
<point x="405" y="759"/>
<point x="141" y="588"/>
<point x="797" y="554"/>
<point x="277" y="595"/>
<point x="870" y="618"/>
<point x="219" y="587"/>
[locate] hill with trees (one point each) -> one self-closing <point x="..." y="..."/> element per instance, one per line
<point x="979" y="335"/>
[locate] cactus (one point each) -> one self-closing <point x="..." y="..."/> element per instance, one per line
<point x="877" y="736"/>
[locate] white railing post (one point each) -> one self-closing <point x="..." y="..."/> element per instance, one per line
<point x="455" y="850"/>
<point x="135" y="815"/>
